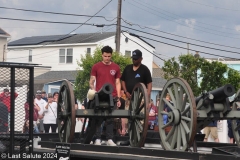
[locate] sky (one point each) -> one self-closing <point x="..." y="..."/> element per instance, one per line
<point x="170" y="25"/>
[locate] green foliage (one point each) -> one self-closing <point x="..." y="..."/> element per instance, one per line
<point x="86" y="63"/>
<point x="194" y="69"/>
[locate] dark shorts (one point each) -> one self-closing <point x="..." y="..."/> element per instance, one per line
<point x="122" y="104"/>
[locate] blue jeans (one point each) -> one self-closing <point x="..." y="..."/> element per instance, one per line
<point x="152" y="124"/>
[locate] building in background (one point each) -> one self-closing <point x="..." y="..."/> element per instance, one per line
<point x="4" y="36"/>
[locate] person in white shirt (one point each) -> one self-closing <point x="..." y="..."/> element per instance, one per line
<point x="41" y="104"/>
<point x="50" y="115"/>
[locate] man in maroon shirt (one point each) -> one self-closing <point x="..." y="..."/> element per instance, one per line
<point x="106" y="72"/>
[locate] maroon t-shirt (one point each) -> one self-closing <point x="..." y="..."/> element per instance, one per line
<point x="106" y="74"/>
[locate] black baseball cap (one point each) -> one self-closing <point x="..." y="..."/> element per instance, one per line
<point x="136" y="54"/>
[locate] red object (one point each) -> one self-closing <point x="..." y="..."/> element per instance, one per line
<point x="106" y="74"/>
<point x="7" y="100"/>
<point x="155" y="110"/>
<point x="35" y="113"/>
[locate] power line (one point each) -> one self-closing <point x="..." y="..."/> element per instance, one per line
<point x="38" y="21"/>
<point x="143" y="47"/>
<point x="213" y="6"/>
<point x="180" y="16"/>
<point x="184" y="24"/>
<point x="143" y="27"/>
<point x="182" y="41"/>
<point x="81" y="24"/>
<point x="182" y="47"/>
<point x="58" y="13"/>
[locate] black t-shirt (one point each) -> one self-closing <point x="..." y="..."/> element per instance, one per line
<point x="131" y="77"/>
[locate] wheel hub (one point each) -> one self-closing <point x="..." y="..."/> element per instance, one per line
<point x="174" y="117"/>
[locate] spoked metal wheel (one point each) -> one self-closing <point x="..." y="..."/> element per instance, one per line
<point x="66" y="116"/>
<point x="180" y="129"/>
<point x="138" y="123"/>
<point x="236" y="123"/>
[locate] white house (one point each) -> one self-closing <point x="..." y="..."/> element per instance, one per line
<point x="62" y="52"/>
<point x="3" y="44"/>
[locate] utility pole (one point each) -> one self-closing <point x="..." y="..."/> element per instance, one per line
<point x="118" y="30"/>
<point x="188" y="48"/>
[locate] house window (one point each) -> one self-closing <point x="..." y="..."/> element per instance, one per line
<point x="66" y="55"/>
<point x="88" y="50"/>
<point x="128" y="53"/>
<point x="62" y="56"/>
<point x="30" y="56"/>
<point x="69" y="55"/>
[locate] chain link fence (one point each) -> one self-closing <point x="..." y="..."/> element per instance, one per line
<point x="16" y="113"/>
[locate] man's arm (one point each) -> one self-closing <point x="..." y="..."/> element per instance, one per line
<point x="149" y="90"/>
<point x="91" y="82"/>
<point x="118" y="87"/>
<point x="125" y="89"/>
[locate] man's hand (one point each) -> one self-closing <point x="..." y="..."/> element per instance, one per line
<point x="128" y="95"/>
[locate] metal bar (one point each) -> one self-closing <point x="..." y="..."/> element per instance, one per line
<point x="114" y="114"/>
<point x="31" y="108"/>
<point x="12" y="110"/>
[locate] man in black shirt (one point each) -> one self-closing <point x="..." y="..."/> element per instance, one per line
<point x="136" y="73"/>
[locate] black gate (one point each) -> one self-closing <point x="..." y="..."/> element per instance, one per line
<point x="16" y="110"/>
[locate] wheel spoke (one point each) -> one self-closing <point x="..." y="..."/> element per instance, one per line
<point x="172" y="96"/>
<point x="178" y="137"/>
<point x="176" y="95"/>
<point x="138" y="123"/>
<point x="170" y="133"/>
<point x="186" y="118"/>
<point x="181" y="98"/>
<point x="140" y="96"/>
<point x="140" y="108"/>
<point x="164" y="113"/>
<point x="137" y="132"/>
<point x="184" y="124"/>
<point x="174" y="139"/>
<point x="166" y="125"/>
<point x="169" y="104"/>
<point x="183" y="134"/>
<point x="184" y="102"/>
<point x="186" y="110"/>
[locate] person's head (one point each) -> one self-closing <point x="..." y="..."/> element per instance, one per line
<point x="106" y="54"/>
<point x="55" y="96"/>
<point x="38" y="94"/>
<point x="137" y="57"/>
<point x="168" y="97"/>
<point x="50" y="97"/>
<point x="43" y="94"/>
<point x="6" y="91"/>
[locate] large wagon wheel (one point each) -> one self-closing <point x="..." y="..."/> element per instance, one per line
<point x="138" y="123"/>
<point x="66" y="116"/>
<point x="236" y="123"/>
<point x="179" y="131"/>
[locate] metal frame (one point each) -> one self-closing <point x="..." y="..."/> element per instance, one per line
<point x="13" y="137"/>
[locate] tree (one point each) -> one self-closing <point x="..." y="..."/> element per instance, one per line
<point x="193" y="69"/>
<point x="86" y="63"/>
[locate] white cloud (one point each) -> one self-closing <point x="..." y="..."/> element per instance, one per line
<point x="237" y="28"/>
<point x="190" y="22"/>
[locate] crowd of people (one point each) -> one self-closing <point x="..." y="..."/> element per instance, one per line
<point x="44" y="112"/>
